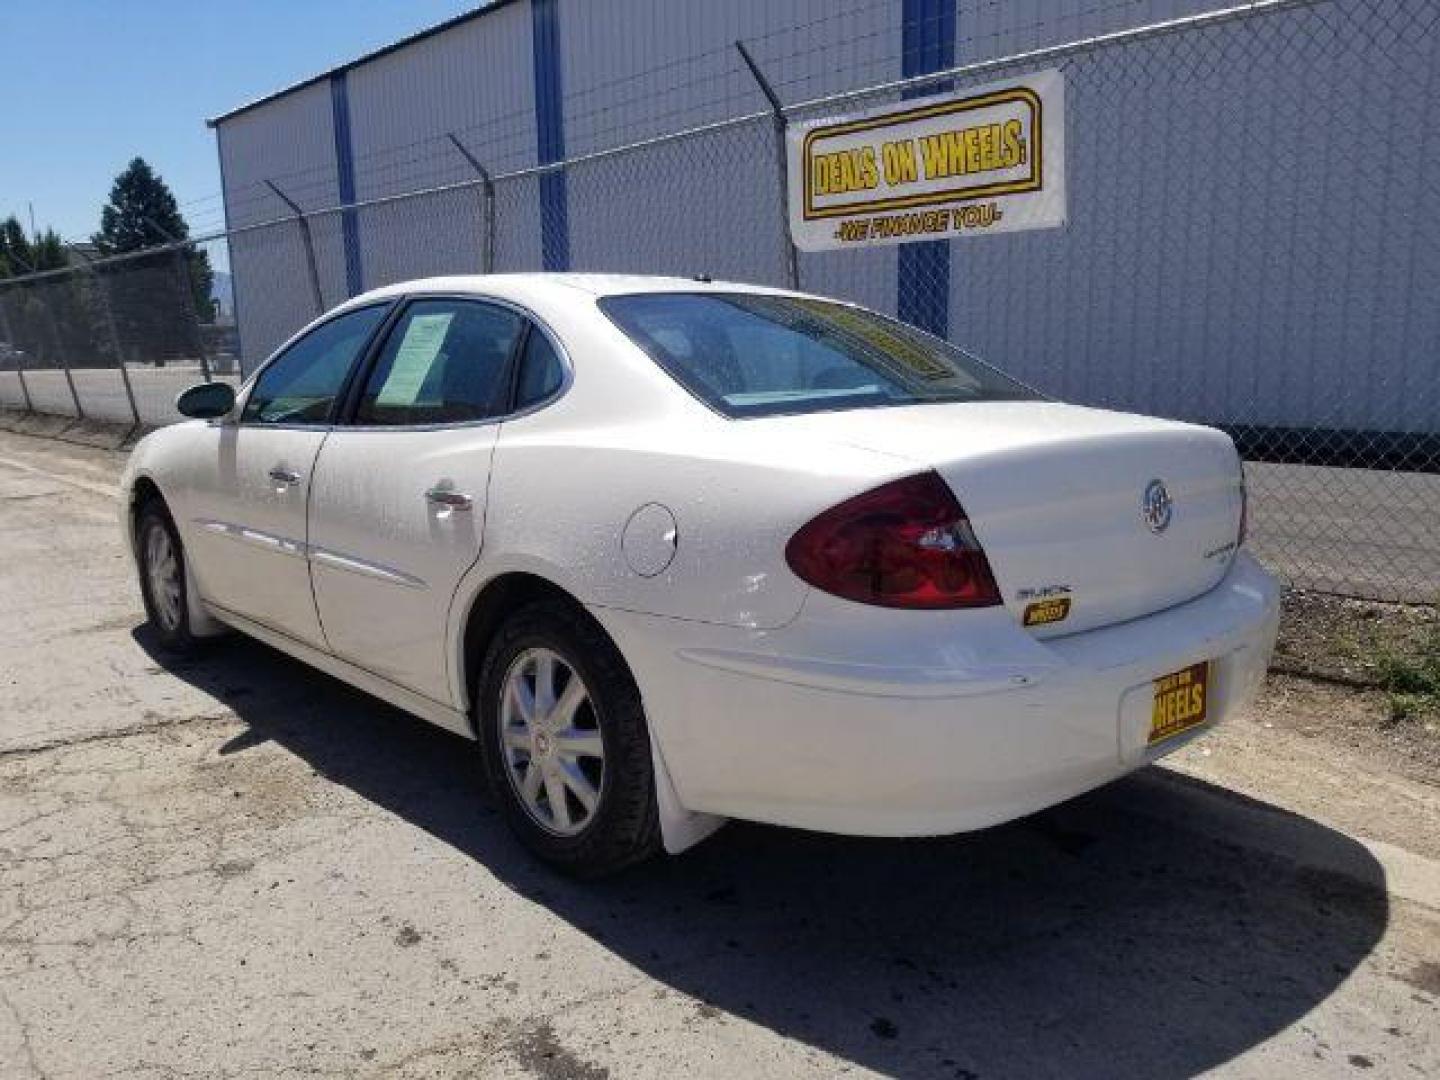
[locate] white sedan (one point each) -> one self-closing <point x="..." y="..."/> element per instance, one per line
<point x="673" y="552"/>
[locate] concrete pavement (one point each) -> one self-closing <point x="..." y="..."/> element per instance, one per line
<point x="237" y="865"/>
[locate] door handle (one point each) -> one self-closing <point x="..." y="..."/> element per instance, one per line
<point x="284" y="476"/>
<point x="449" y="500"/>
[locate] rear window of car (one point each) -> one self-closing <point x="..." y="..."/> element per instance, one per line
<point x="750" y="354"/>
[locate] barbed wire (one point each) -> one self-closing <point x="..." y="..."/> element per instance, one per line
<point x="311" y="185"/>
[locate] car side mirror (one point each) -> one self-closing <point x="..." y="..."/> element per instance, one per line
<point x="206" y="401"/>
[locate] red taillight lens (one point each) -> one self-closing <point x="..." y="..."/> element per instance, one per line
<point x="906" y="544"/>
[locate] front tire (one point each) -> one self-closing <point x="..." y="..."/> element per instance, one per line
<point x="161" y="561"/>
<point x="565" y="744"/>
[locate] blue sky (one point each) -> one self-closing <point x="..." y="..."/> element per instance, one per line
<point x="93" y="83"/>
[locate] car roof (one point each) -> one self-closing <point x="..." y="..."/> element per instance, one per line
<point x="556" y="286"/>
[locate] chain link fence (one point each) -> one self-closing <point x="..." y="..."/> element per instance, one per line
<point x="112" y="339"/>
<point x="1253" y="242"/>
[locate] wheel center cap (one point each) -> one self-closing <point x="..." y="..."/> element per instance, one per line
<point x="543" y="744"/>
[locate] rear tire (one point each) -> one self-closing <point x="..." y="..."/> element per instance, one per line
<point x="564" y="742"/>
<point x="160" y="557"/>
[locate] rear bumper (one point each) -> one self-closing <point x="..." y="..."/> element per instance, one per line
<point x="921" y="723"/>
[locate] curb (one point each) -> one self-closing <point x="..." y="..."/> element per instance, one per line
<point x="104" y="434"/>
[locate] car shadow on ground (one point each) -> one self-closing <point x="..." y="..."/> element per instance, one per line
<point x="1130" y="932"/>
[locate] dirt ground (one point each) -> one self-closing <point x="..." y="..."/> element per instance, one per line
<point x="1337" y="639"/>
<point x="1333" y="661"/>
<point x="235" y="865"/>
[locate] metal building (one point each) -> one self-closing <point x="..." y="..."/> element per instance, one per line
<point x="1252" y="203"/>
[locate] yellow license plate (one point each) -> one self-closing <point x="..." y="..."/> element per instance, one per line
<point x="1181" y="701"/>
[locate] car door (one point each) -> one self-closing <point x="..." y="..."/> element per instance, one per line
<point x="247" y="488"/>
<point x="397" y="510"/>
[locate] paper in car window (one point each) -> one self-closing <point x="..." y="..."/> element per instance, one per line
<point x="414" y="359"/>
<point x="887" y="342"/>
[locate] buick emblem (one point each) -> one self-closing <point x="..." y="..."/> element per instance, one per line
<point x="1156" y="507"/>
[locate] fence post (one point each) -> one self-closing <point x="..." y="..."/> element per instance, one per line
<point x="102" y="291"/>
<point x="782" y="161"/>
<point x="19" y="365"/>
<point x="487" y="207"/>
<point x="309" y="243"/>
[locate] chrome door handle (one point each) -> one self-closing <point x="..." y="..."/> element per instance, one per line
<point x="284" y="476"/>
<point x="450" y="500"/>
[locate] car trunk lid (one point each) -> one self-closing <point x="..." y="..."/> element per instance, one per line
<point x="1056" y="495"/>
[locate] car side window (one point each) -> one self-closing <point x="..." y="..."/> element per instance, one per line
<point x="444" y="362"/>
<point x="541" y="372"/>
<point x="301" y="384"/>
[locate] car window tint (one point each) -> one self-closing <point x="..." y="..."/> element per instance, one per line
<point x="752" y="354"/>
<point x="445" y="361"/>
<point x="540" y="370"/>
<point x="300" y="385"/>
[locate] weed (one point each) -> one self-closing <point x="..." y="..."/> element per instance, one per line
<point x="1411" y="677"/>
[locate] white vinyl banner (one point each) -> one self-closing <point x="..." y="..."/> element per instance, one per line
<point x="989" y="160"/>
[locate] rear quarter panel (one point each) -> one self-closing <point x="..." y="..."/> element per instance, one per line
<point x="567" y="478"/>
<point x="561" y="497"/>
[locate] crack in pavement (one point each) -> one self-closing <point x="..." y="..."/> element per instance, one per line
<point x="23" y="1030"/>
<point x="128" y="732"/>
<point x="110" y="491"/>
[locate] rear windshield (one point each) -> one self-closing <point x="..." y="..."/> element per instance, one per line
<point x="748" y="354"/>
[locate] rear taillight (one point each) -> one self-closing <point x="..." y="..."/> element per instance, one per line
<point x="907" y="544"/>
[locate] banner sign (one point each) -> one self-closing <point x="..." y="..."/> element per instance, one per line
<point x="937" y="168"/>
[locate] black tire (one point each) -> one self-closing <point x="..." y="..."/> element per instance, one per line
<point x="173" y="634"/>
<point x="624" y="827"/>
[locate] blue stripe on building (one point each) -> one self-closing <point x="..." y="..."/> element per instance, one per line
<point x="550" y="135"/>
<point x="345" y="178"/>
<point x="922" y="287"/>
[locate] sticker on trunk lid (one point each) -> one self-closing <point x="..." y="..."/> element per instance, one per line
<point x="1049" y="610"/>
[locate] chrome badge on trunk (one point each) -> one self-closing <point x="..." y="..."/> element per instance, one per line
<point x="1156" y="507"/>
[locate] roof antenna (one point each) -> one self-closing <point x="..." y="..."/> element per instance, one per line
<point x="704" y="278"/>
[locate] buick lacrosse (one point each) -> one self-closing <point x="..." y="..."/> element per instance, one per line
<point x="675" y="551"/>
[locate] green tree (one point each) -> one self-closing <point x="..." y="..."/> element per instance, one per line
<point x="48" y="317"/>
<point x="16" y="258"/>
<point x="142" y="213"/>
<point x="21" y="254"/>
<point x="47" y="252"/>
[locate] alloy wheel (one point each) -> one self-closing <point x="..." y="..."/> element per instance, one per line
<point x="551" y="743"/>
<point x="162" y="570"/>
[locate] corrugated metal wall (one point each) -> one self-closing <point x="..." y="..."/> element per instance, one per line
<point x="712" y="204"/>
<point x="1247" y="230"/>
<point x="474" y="81"/>
<point x="1209" y="270"/>
<point x="291" y="141"/>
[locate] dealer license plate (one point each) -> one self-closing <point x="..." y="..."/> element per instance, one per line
<point x="1181" y="702"/>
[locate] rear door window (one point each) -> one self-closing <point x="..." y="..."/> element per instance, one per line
<point x="444" y="362"/>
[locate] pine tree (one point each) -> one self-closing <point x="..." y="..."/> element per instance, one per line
<point x="142" y="213"/>
<point x="21" y="254"/>
<point x="47" y="252"/>
<point x="47" y="318"/>
<point x="16" y="258"/>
